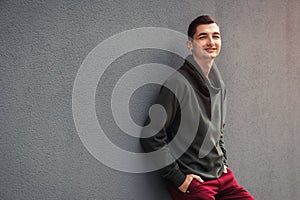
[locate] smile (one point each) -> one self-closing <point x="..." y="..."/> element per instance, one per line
<point x="210" y="49"/>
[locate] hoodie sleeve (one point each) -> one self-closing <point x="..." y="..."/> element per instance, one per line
<point x="222" y="143"/>
<point x="170" y="103"/>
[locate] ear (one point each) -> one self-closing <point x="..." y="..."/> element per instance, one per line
<point x="189" y="45"/>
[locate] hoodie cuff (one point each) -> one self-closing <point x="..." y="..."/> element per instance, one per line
<point x="178" y="178"/>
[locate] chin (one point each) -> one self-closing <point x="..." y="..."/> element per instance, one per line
<point x="214" y="55"/>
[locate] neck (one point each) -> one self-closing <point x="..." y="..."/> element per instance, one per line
<point x="205" y="64"/>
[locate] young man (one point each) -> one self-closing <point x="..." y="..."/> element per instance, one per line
<point x="200" y="172"/>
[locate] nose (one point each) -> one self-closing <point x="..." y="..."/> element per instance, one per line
<point x="210" y="41"/>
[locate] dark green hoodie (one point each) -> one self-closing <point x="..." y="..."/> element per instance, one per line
<point x="195" y="101"/>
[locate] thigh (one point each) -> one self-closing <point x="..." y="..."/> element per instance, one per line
<point x="196" y="191"/>
<point x="237" y="193"/>
<point x="232" y="190"/>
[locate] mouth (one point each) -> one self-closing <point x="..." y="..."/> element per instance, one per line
<point x="210" y="50"/>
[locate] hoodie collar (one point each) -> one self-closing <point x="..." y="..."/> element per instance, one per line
<point x="214" y="80"/>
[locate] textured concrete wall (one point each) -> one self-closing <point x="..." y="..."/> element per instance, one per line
<point x="43" y="44"/>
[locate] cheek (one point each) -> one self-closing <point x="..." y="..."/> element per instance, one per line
<point x="198" y="44"/>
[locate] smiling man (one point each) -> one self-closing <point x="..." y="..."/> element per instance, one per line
<point x="201" y="172"/>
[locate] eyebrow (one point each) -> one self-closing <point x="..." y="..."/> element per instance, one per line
<point x="215" y="33"/>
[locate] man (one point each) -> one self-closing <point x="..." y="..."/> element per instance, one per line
<point x="200" y="172"/>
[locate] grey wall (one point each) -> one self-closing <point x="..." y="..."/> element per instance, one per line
<point x="43" y="44"/>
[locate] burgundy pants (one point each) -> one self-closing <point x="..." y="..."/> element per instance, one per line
<point x="222" y="188"/>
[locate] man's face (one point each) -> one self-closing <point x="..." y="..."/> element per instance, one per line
<point x="206" y="43"/>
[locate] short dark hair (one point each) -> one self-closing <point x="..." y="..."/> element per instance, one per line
<point x="203" y="19"/>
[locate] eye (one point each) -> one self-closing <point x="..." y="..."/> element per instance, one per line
<point x="216" y="36"/>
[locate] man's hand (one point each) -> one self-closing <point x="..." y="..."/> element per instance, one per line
<point x="188" y="180"/>
<point x="225" y="169"/>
